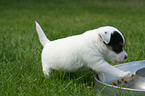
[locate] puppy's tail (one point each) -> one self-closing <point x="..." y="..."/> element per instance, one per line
<point x="42" y="37"/>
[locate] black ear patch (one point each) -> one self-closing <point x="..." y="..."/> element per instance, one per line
<point x="116" y="42"/>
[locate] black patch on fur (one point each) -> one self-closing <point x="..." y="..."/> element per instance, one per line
<point x="116" y="42"/>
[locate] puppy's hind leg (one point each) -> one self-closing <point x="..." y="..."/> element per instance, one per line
<point x="47" y="72"/>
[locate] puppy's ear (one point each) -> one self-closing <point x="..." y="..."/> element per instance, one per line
<point x="105" y="36"/>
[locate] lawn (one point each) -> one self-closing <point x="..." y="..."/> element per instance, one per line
<point x="20" y="50"/>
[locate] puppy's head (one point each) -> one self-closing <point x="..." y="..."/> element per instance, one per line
<point x="114" y="44"/>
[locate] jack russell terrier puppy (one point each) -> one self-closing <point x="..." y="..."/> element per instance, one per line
<point x="84" y="52"/>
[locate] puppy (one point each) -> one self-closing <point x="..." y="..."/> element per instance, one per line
<point x="84" y="52"/>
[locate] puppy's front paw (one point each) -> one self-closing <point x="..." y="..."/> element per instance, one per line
<point x="125" y="74"/>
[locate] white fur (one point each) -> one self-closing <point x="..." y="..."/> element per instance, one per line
<point x="43" y="39"/>
<point x="80" y="52"/>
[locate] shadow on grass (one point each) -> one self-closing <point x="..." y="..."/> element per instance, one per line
<point x="85" y="78"/>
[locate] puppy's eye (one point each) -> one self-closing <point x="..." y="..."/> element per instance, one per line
<point x="117" y="49"/>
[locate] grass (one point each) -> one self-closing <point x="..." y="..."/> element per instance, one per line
<point x="20" y="50"/>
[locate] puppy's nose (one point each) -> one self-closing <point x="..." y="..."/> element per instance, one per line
<point x="125" y="57"/>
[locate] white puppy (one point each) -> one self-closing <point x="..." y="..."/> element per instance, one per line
<point x="84" y="52"/>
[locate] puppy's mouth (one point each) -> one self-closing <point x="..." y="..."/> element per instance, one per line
<point x="117" y="61"/>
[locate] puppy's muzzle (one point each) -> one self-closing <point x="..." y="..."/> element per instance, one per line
<point x="125" y="57"/>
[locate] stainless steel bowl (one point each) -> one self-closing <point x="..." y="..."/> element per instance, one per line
<point x="139" y="80"/>
<point x="128" y="89"/>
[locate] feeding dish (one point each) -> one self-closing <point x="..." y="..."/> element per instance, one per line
<point x="135" y="87"/>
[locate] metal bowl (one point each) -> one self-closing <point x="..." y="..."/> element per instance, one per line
<point x="139" y="81"/>
<point x="128" y="89"/>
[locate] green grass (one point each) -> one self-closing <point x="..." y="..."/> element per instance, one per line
<point x="20" y="49"/>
